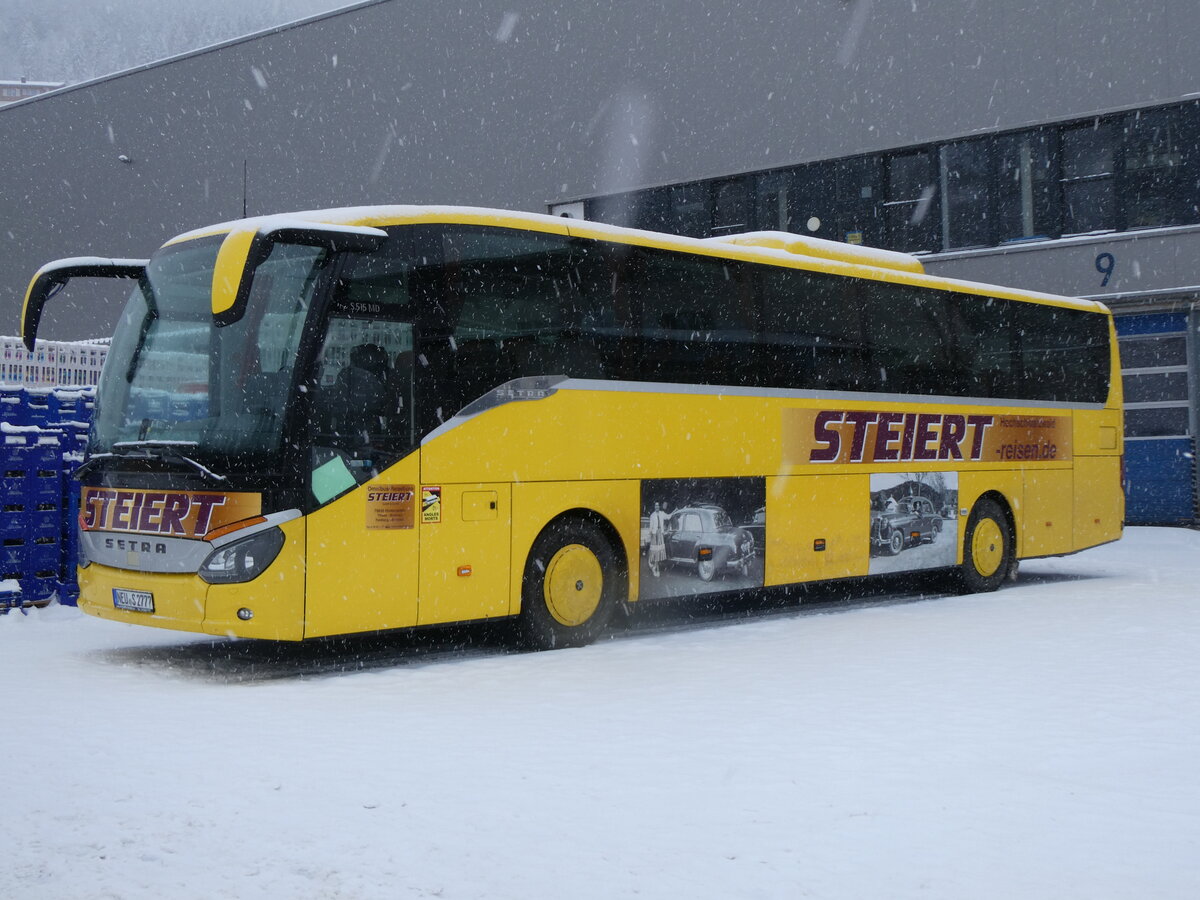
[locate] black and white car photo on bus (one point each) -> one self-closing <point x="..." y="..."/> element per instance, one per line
<point x="914" y="522"/>
<point x="701" y="535"/>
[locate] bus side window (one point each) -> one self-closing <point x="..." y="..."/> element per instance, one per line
<point x="811" y="331"/>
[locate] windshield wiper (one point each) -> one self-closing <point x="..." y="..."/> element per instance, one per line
<point x="160" y="451"/>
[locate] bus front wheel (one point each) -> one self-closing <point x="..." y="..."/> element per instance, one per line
<point x="571" y="586"/>
<point x="988" y="548"/>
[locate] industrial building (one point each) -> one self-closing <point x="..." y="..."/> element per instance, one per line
<point x="1053" y="147"/>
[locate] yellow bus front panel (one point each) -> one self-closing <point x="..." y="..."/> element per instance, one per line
<point x="363" y="556"/>
<point x="178" y="599"/>
<point x="272" y="603"/>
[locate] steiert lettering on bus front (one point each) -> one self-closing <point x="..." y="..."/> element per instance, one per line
<point x="878" y="436"/>
<point x="185" y="514"/>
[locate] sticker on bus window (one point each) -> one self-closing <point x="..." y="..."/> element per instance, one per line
<point x="331" y="479"/>
<point x="702" y="535"/>
<point x="431" y="503"/>
<point x="390" y="506"/>
<point x="914" y="521"/>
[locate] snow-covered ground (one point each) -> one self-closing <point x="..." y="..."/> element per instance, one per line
<point x="1040" y="742"/>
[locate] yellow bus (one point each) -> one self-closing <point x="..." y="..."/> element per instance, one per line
<point x="363" y="419"/>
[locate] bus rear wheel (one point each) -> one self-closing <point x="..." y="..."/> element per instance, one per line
<point x="988" y="548"/>
<point x="571" y="585"/>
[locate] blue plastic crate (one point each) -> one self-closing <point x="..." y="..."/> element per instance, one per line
<point x="10" y="594"/>
<point x="44" y="522"/>
<point x="70" y="513"/>
<point x="12" y="409"/>
<point x="13" y="456"/>
<point x="14" y="556"/>
<point x="37" y="590"/>
<point x="12" y="487"/>
<point x="66" y="404"/>
<point x="37" y="409"/>
<point x="45" y="558"/>
<point x="68" y="592"/>
<point x="12" y="519"/>
<point x="46" y="453"/>
<point x="44" y="486"/>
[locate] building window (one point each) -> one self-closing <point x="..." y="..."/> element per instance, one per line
<point x="731" y="206"/>
<point x="1154" y="184"/>
<point x="816" y="202"/>
<point x="967" y="219"/>
<point x="689" y="212"/>
<point x="1136" y="170"/>
<point x="1088" y="165"/>
<point x="910" y="218"/>
<point x="772" y="192"/>
<point x="617" y="209"/>
<point x="1026" y="185"/>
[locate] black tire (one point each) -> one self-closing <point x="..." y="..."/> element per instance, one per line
<point x="988" y="548"/>
<point x="571" y="587"/>
<point x="895" y="542"/>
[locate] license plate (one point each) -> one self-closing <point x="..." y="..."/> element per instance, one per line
<point x="137" y="601"/>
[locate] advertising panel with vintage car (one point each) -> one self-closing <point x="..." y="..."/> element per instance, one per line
<point x="757" y="526"/>
<point x="703" y="536"/>
<point x="903" y="522"/>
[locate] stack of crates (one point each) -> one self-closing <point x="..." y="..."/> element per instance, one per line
<point x="43" y="434"/>
<point x="31" y="524"/>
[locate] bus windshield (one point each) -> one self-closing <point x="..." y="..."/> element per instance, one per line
<point x="173" y="376"/>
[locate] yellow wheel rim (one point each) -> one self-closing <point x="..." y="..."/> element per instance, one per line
<point x="987" y="547"/>
<point x="573" y="584"/>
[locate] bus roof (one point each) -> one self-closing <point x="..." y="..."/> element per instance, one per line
<point x="770" y="247"/>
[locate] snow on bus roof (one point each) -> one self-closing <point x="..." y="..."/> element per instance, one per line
<point x="771" y="246"/>
<point x="73" y="262"/>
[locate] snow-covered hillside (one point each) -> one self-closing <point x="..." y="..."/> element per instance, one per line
<point x="1040" y="742"/>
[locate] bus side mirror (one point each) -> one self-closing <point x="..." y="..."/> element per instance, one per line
<point x="52" y="277"/>
<point x="249" y="245"/>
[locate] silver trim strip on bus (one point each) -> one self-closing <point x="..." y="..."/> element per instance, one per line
<point x="539" y="387"/>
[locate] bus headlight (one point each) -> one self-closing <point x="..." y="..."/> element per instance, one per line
<point x="242" y="560"/>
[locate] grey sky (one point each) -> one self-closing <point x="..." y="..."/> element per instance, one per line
<point x="76" y="40"/>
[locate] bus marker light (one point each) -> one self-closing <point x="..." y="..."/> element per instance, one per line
<point x="464" y="571"/>
<point x="819" y="545"/>
<point x="233" y="526"/>
<point x="705" y="553"/>
<point x="245" y="614"/>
